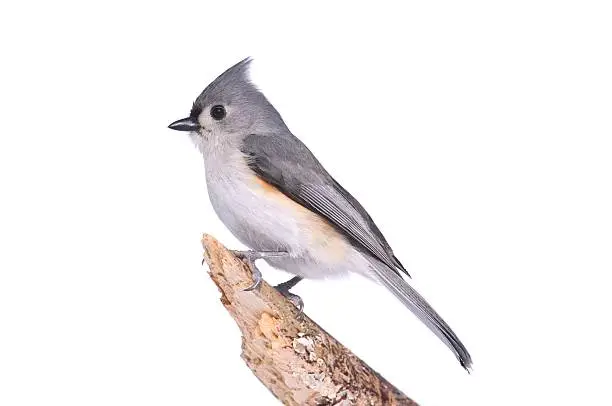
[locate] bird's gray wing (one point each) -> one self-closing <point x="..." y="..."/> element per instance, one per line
<point x="286" y="163"/>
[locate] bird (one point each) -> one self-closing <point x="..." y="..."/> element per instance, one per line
<point x="276" y="198"/>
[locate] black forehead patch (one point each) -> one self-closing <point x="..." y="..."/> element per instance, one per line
<point x="196" y="109"/>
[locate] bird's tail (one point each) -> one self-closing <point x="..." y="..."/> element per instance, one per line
<point x="417" y="305"/>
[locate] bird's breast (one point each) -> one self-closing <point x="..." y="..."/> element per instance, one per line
<point x="264" y="218"/>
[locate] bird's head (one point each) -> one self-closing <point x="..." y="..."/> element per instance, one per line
<point x="230" y="108"/>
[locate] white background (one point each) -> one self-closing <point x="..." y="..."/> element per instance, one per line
<point x="478" y="135"/>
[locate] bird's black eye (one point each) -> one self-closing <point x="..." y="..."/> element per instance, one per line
<point x="217" y="112"/>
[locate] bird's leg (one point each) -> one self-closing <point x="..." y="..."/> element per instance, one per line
<point x="250" y="257"/>
<point x="283" y="289"/>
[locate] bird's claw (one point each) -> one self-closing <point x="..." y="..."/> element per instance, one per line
<point x="250" y="257"/>
<point x="295" y="299"/>
<point x="284" y="289"/>
<point x="257" y="277"/>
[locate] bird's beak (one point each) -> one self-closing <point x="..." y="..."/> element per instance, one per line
<point x="185" y="124"/>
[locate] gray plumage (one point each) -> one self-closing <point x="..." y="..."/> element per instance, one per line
<point x="285" y="162"/>
<point x="251" y="147"/>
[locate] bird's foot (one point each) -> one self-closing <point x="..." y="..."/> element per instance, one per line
<point x="257" y="277"/>
<point x="284" y="289"/>
<point x="250" y="257"/>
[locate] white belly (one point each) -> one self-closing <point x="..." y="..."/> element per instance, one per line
<point x="259" y="222"/>
<point x="263" y="218"/>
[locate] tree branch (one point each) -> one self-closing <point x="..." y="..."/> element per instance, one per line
<point x="290" y="354"/>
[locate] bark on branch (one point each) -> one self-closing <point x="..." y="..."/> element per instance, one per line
<point x="290" y="354"/>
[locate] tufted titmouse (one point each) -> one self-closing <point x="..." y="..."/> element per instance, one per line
<point x="277" y="199"/>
